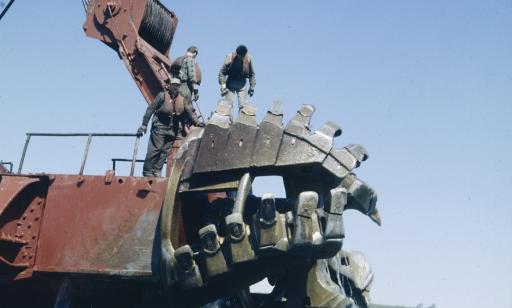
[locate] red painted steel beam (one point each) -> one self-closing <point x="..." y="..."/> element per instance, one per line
<point x="118" y="24"/>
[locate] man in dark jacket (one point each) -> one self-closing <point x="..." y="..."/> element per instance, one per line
<point x="167" y="110"/>
<point x="237" y="68"/>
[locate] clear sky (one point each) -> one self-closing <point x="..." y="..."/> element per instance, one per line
<point x="425" y="86"/>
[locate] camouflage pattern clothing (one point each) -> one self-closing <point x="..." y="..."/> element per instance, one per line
<point x="189" y="78"/>
<point x="233" y="75"/>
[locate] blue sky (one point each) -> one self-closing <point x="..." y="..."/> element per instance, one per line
<point x="425" y="86"/>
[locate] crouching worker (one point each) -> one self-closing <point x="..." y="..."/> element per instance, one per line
<point x="167" y="109"/>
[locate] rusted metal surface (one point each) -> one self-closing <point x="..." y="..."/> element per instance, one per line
<point x="141" y="32"/>
<point x="105" y="226"/>
<point x="22" y="201"/>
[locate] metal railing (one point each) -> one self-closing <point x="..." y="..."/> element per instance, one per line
<point x="7" y="163"/>
<point x="115" y="160"/>
<point x="86" y="149"/>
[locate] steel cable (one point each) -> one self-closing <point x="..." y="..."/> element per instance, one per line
<point x="156" y="27"/>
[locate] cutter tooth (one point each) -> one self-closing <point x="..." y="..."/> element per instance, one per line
<point x="269" y="223"/>
<point x="267" y="211"/>
<point x="188" y="272"/>
<point x="331" y="129"/>
<point x="303" y="223"/>
<point x="322" y="291"/>
<point x="361" y="197"/>
<point x="303" y="116"/>
<point x="323" y="138"/>
<point x="222" y="115"/>
<point x="268" y="138"/>
<point x="335" y="205"/>
<point x="274" y="114"/>
<point x="336" y="201"/>
<point x="277" y="107"/>
<point x="358" y="151"/>
<point x="240" y="246"/>
<point x="214" y="258"/>
<point x="344" y="157"/>
<point x="375" y="215"/>
<point x="247" y="116"/>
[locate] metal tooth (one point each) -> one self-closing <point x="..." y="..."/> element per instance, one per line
<point x="335" y="205"/>
<point x="209" y="240"/>
<point x="335" y="167"/>
<point x="336" y="200"/>
<point x="241" y="249"/>
<point x="316" y="236"/>
<point x="241" y="140"/>
<point x="222" y="115"/>
<point x="247" y="116"/>
<point x="214" y="140"/>
<point x="331" y="129"/>
<point x="322" y="291"/>
<point x="303" y="224"/>
<point x="356" y="269"/>
<point x="277" y="107"/>
<point x="274" y="114"/>
<point x="358" y="151"/>
<point x="267" y="211"/>
<point x="236" y="227"/>
<point x="187" y="270"/>
<point x="322" y="141"/>
<point x="303" y="116"/>
<point x="268" y="139"/>
<point x="345" y="158"/>
<point x="268" y="223"/>
<point x="214" y="258"/>
<point x="361" y="197"/>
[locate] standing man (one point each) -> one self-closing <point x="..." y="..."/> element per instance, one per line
<point x="167" y="110"/>
<point x="186" y="69"/>
<point x="237" y="68"/>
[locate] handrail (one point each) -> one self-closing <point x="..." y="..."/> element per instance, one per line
<point x="87" y="145"/>
<point x="7" y="163"/>
<point x="114" y="160"/>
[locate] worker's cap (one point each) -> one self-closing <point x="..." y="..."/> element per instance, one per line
<point x="241" y="50"/>
<point x="193" y="49"/>
<point x="175" y="81"/>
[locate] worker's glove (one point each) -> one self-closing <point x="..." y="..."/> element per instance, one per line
<point x="251" y="92"/>
<point x="195" y="91"/>
<point x="142" y="130"/>
<point x="223" y="90"/>
<point x="196" y="97"/>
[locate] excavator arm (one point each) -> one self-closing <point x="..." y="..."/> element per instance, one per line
<point x="141" y="32"/>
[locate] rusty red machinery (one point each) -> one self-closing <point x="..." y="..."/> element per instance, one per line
<point x="198" y="235"/>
